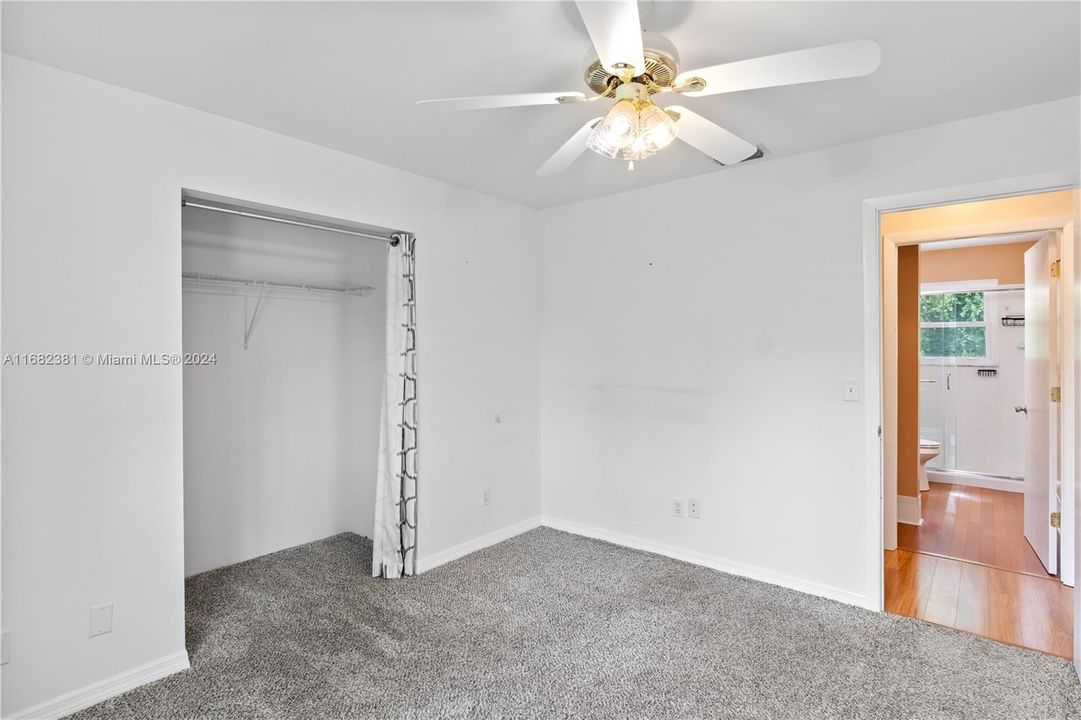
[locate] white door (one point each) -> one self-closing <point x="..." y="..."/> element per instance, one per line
<point x="1041" y="453"/>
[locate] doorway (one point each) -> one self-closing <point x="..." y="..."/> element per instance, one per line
<point x="978" y="416"/>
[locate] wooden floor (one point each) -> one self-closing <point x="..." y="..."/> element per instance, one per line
<point x="967" y="523"/>
<point x="969" y="567"/>
<point x="1012" y="607"/>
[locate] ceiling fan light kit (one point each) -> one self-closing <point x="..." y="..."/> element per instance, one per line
<point x="631" y="66"/>
<point x="634" y="128"/>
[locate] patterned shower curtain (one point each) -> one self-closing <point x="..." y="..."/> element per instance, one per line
<point x="394" y="552"/>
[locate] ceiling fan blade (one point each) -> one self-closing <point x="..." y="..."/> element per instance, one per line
<point x="829" y="62"/>
<point x="616" y="33"/>
<point x="710" y="138"/>
<point x="567" y="153"/>
<point x="487" y="102"/>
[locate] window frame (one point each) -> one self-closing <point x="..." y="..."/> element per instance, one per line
<point x="990" y="334"/>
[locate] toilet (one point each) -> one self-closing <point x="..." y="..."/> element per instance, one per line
<point x="929" y="449"/>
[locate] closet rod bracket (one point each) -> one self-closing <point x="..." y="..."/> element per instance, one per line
<point x="255" y="312"/>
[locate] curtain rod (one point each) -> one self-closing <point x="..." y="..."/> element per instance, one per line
<point x="392" y="240"/>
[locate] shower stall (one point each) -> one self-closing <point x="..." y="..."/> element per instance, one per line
<point x="972" y="387"/>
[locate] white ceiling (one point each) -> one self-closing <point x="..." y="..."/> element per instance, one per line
<point x="345" y="75"/>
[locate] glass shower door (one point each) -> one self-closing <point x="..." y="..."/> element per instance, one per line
<point x="938" y="411"/>
<point x="954" y="342"/>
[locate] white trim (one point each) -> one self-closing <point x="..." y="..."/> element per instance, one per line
<point x="972" y="480"/>
<point x="710" y="561"/>
<point x="1044" y="224"/>
<point x="1068" y="344"/>
<point x="102" y="690"/>
<point x="874" y="468"/>
<point x="428" y="562"/>
<point x="872" y="333"/>
<point x="984" y="241"/>
<point x="909" y="510"/>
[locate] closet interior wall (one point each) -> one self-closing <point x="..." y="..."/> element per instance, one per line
<point x="280" y="438"/>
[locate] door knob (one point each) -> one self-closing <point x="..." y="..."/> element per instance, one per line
<point x="1020" y="408"/>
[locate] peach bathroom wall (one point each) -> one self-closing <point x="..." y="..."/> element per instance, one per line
<point x="908" y="369"/>
<point x="1004" y="263"/>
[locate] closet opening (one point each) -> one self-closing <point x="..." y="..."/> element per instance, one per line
<point x="287" y="321"/>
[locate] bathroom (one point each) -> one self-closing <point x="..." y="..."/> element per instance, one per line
<point x="969" y="380"/>
<point x="972" y="362"/>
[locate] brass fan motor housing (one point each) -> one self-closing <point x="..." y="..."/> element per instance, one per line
<point x="662" y="66"/>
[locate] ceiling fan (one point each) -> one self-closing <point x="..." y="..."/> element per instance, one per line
<point x="631" y="66"/>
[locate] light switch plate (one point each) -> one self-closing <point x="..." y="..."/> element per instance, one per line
<point x="850" y="391"/>
<point x="101" y="619"/>
<point x="692" y="508"/>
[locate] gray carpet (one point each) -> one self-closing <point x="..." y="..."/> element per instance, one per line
<point x="551" y="625"/>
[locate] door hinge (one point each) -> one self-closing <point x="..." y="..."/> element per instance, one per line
<point x="1056" y="268"/>
<point x="1056" y="520"/>
<point x="1056" y="394"/>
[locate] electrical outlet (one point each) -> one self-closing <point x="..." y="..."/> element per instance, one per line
<point x="692" y="508"/>
<point x="486" y="497"/>
<point x="101" y="619"/>
<point x="5" y="647"/>
<point x="677" y="508"/>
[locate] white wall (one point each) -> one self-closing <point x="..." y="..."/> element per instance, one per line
<point x="974" y="418"/>
<point x="696" y="336"/>
<point x="280" y="438"/>
<point x="693" y="341"/>
<point x="92" y="456"/>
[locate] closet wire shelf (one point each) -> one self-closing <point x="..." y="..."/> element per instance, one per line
<point x="195" y="281"/>
<point x="212" y="280"/>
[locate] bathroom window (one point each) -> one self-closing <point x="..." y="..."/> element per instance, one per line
<point x="953" y="326"/>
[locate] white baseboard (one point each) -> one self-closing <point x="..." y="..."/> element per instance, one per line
<point x="980" y="481"/>
<point x="711" y="561"/>
<point x="102" y="690"/>
<point x="909" y="510"/>
<point x="426" y="563"/>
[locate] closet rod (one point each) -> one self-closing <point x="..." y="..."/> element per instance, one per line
<point x="256" y="216"/>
